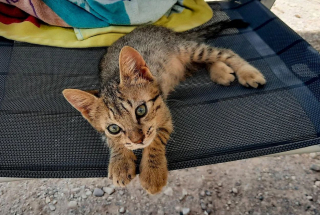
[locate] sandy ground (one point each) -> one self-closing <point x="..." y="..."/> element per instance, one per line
<point x="266" y="186"/>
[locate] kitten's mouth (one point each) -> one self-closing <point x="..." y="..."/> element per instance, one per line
<point x="145" y="143"/>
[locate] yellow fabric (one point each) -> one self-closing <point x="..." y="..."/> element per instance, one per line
<point x="197" y="12"/>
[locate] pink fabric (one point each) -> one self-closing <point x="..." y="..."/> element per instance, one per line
<point x="39" y="9"/>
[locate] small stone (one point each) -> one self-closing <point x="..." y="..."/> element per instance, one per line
<point x="235" y="190"/>
<point x="228" y="208"/>
<point x="238" y="183"/>
<point x="298" y="16"/>
<point x="310" y="198"/>
<point x="317" y="183"/>
<point x="293" y="177"/>
<point x="177" y="208"/>
<point x="75" y="190"/>
<point x="261" y="198"/>
<point x="185" y="211"/>
<point x="202" y="193"/>
<point x="220" y="184"/>
<point x="88" y="193"/>
<point x="122" y="210"/>
<point x="160" y="212"/>
<point x="177" y="183"/>
<point x="98" y="192"/>
<point x="54" y="202"/>
<point x="184" y="194"/>
<point x="208" y="193"/>
<point x="52" y="207"/>
<point x="203" y="206"/>
<point x="109" y="190"/>
<point x="229" y="202"/>
<point x="313" y="155"/>
<point x="168" y="191"/>
<point x="84" y="196"/>
<point x="209" y="171"/>
<point x="297" y="203"/>
<point x="315" y="167"/>
<point x="48" y="200"/>
<point x="121" y="192"/>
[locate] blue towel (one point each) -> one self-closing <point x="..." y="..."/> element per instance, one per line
<point x="103" y="13"/>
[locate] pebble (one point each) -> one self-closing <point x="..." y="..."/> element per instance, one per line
<point x="52" y="207"/>
<point x="297" y="203"/>
<point x="313" y="155"/>
<point x="75" y="190"/>
<point x="168" y="191"/>
<point x="298" y="16"/>
<point x="310" y="198"/>
<point x="177" y="208"/>
<point x="209" y="171"/>
<point x="185" y="211"/>
<point x="121" y="192"/>
<point x="229" y="202"/>
<point x="109" y="190"/>
<point x="317" y="183"/>
<point x="98" y="192"/>
<point x="220" y="184"/>
<point x="202" y="193"/>
<point x="315" y="167"/>
<point x="235" y="190"/>
<point x="293" y="177"/>
<point x="203" y="206"/>
<point x="261" y="198"/>
<point x="184" y="194"/>
<point x="238" y="183"/>
<point x="84" y="196"/>
<point x="208" y="193"/>
<point x="54" y="202"/>
<point x="47" y="200"/>
<point x="122" y="210"/>
<point x="160" y="212"/>
<point x="88" y="193"/>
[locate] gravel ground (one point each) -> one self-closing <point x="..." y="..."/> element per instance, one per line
<point x="266" y="186"/>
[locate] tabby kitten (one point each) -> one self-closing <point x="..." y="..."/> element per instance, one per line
<point x="136" y="75"/>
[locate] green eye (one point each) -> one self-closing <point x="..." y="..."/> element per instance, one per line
<point x="141" y="111"/>
<point x="114" y="129"/>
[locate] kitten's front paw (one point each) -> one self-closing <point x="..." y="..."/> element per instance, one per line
<point x="122" y="171"/>
<point x="153" y="179"/>
<point x="249" y="76"/>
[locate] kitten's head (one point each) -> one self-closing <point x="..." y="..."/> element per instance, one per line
<point x="130" y="111"/>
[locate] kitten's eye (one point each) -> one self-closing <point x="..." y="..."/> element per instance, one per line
<point x="114" y="129"/>
<point x="141" y="111"/>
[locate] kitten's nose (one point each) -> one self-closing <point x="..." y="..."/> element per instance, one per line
<point x="136" y="137"/>
<point x="137" y="140"/>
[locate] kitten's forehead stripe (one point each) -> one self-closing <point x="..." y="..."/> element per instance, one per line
<point x="154" y="98"/>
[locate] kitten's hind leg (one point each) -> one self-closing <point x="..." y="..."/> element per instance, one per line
<point x="219" y="61"/>
<point x="220" y="73"/>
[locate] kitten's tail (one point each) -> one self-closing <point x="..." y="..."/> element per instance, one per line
<point x="213" y="30"/>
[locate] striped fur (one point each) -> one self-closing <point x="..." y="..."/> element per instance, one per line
<point x="142" y="68"/>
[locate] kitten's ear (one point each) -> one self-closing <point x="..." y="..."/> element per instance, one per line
<point x="84" y="102"/>
<point x="132" y="65"/>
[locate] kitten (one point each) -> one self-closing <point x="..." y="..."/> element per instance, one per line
<point x="136" y="75"/>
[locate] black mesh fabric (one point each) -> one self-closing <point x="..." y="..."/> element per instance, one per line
<point x="41" y="135"/>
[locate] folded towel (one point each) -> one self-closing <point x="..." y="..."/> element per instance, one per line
<point x="182" y="15"/>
